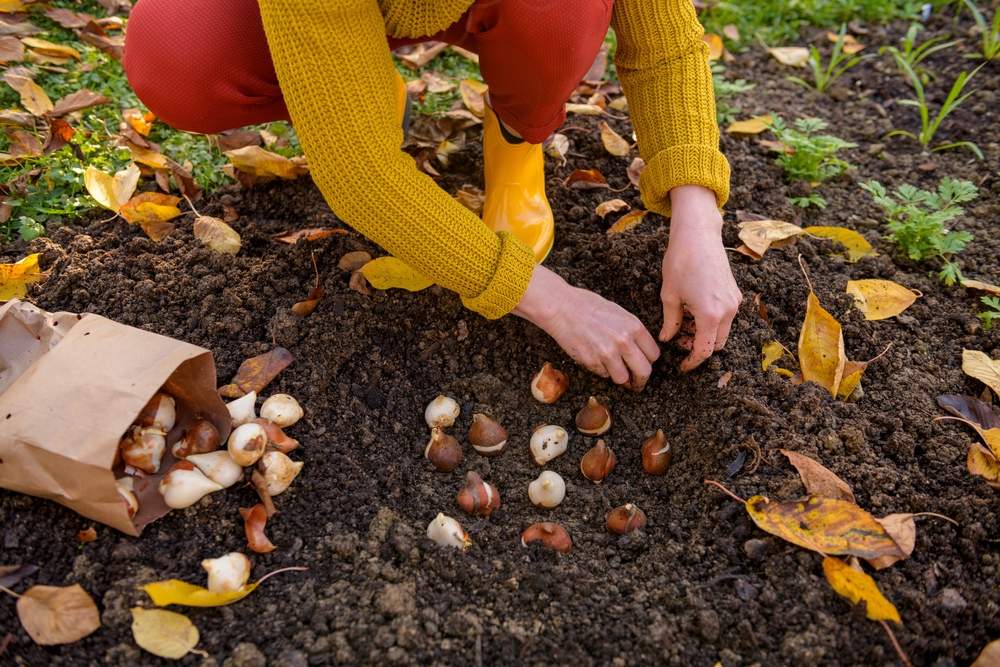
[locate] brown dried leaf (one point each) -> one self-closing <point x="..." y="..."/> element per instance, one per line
<point x="353" y="261"/>
<point x="731" y="32"/>
<point x="473" y="96"/>
<point x="256" y="373"/>
<point x="903" y="530"/>
<point x="34" y="99"/>
<point x="613" y="142"/>
<point x="11" y="574"/>
<point x="254" y="520"/>
<point x="983" y="287"/>
<point x="217" y="235"/>
<point x="311" y="234"/>
<point x="821" y="347"/>
<point x="724" y="380"/>
<point x="751" y="126"/>
<point x="54" y="615"/>
<point x="11" y="49"/>
<point x="970" y="408"/>
<point x="635" y="170"/>
<point x="68" y="19"/>
<point x="86" y="535"/>
<point x="359" y="283"/>
<point x="627" y="222"/>
<point x="758" y="235"/>
<point x="980" y="366"/>
<point x="610" y="207"/>
<point x="818" y="480"/>
<point x="471" y="198"/>
<point x="587" y="179"/>
<point x="59" y="134"/>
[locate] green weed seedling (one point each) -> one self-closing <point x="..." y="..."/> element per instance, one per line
<point x="805" y="202"/>
<point x="724" y="90"/>
<point x="993" y="303"/>
<point x="823" y="78"/>
<point x="917" y="221"/>
<point x="990" y="33"/>
<point x="809" y="155"/>
<point x="913" y="54"/>
<point x="928" y="126"/>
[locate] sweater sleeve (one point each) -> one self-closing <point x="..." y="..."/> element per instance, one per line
<point x="336" y="75"/>
<point x="663" y="67"/>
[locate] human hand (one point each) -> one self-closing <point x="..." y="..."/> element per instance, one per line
<point x="696" y="274"/>
<point x="600" y="335"/>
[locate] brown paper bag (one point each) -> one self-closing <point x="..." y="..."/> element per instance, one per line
<point x="70" y="386"/>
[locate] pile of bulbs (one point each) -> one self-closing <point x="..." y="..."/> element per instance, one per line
<point x="202" y="467"/>
<point x="488" y="438"/>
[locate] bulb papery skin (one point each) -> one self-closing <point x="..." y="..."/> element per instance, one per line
<point x="228" y="573"/>
<point x="277" y="441"/>
<point x="160" y="411"/>
<point x="279" y="471"/>
<point x="625" y="519"/>
<point x="548" y="442"/>
<point x="441" y="412"/>
<point x="184" y="485"/>
<point x="143" y="448"/>
<point x="219" y="467"/>
<point x="548" y="490"/>
<point x="549" y="384"/>
<point x="199" y="438"/>
<point x="487" y="437"/>
<point x="124" y="488"/>
<point x="241" y="411"/>
<point x="550" y="535"/>
<point x="477" y="497"/>
<point x="247" y="443"/>
<point x="593" y="418"/>
<point x="281" y="410"/>
<point x="448" y="532"/>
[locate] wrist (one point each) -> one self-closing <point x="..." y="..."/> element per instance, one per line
<point x="541" y="300"/>
<point x="694" y="207"/>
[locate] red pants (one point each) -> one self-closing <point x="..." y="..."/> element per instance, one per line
<point x="204" y="65"/>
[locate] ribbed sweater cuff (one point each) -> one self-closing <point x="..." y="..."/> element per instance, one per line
<point x="509" y="282"/>
<point x="692" y="164"/>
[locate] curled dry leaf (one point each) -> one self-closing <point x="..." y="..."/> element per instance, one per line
<point x="34" y="99"/>
<point x="387" y="272"/>
<point x="313" y="234"/>
<point x="627" y="222"/>
<point x="902" y="529"/>
<point x="584" y="109"/>
<point x="473" y="96"/>
<point x="263" y="164"/>
<point x="150" y="207"/>
<point x="857" y="586"/>
<point x="254" y="520"/>
<point x="557" y="146"/>
<point x="613" y="142"/>
<point x="175" y="591"/>
<point x="471" y="198"/>
<point x="47" y="48"/>
<point x="610" y="207"/>
<point x="853" y="370"/>
<point x="111" y="191"/>
<point x="353" y="261"/>
<point x="983" y="287"/>
<point x="54" y="615"/>
<point x="635" y="170"/>
<point x="970" y="408"/>
<point x="980" y="366"/>
<point x="880" y="299"/>
<point x="731" y="32"/>
<point x="770" y="353"/>
<point x="793" y="56"/>
<point x="758" y="235"/>
<point x="724" y="380"/>
<point x="754" y="125"/>
<point x="855" y="245"/>
<point x="850" y="46"/>
<point x="818" y="480"/>
<point x="165" y="633"/>
<point x="15" y="278"/>
<point x="821" y="347"/>
<point x="77" y="101"/>
<point x="256" y="373"/>
<point x="358" y="284"/>
<point x="303" y="308"/>
<point x="587" y="179"/>
<point x="217" y="235"/>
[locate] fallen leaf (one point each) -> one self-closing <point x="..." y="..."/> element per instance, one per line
<point x="22" y="29"/>
<point x="11" y="49"/>
<point x="304" y="308"/>
<point x="587" y="179"/>
<point x="68" y="19"/>
<point x="619" y="104"/>
<point x="635" y="170"/>
<point x="982" y="463"/>
<point x="54" y="615"/>
<point x="724" y="380"/>
<point x="15" y="278"/>
<point x="217" y="235"/>
<point x="758" y="305"/>
<point x="139" y="121"/>
<point x="15" y="117"/>
<point x="435" y="84"/>
<point x="86" y="535"/>
<point x="731" y="32"/>
<point x="311" y="234"/>
<point x="627" y="222"/>
<point x="111" y="191"/>
<point x="358" y="284"/>
<point x="826" y="525"/>
<point x="185" y="181"/>
<point x="610" y="207"/>
<point x="983" y="287"/>
<point x="857" y="586"/>
<point x="980" y="366"/>
<point x="147" y="156"/>
<point x="880" y="299"/>
<point x="11" y="574"/>
<point x="613" y="142"/>
<point x="23" y="144"/>
<point x="473" y="96"/>
<point x="715" y="47"/>
<point x="256" y="373"/>
<point x="42" y="59"/>
<point x="353" y="261"/>
<point x="264" y="164"/>
<point x="164" y="633"/>
<point x="465" y="53"/>
<point x="901" y="528"/>
<point x="556" y="146"/>
<point x="770" y="353"/>
<point x="855" y="245"/>
<point x="150" y="207"/>
<point x="471" y="198"/>
<point x="34" y="99"/>
<point x="754" y="125"/>
<point x="794" y="56"/>
<point x="46" y="48"/>
<point x="850" y="45"/>
<point x="990" y="655"/>
<point x="76" y="101"/>
<point x="758" y="235"/>
<point x="777" y="146"/>
<point x="59" y="134"/>
<point x="970" y="408"/>
<point x="254" y="520"/>
<point x="423" y="54"/>
<point x="584" y="109"/>
<point x="818" y="480"/>
<point x="821" y="347"/>
<point x="386" y="272"/>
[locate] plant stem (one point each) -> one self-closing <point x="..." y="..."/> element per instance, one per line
<point x="732" y="495"/>
<point x="7" y="590"/>
<point x="284" y="569"/>
<point x="895" y="643"/>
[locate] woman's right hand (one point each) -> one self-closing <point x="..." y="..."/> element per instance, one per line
<point x="600" y="335"/>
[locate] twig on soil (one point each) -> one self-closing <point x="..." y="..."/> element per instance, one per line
<point x="574" y="127"/>
<point x="895" y="643"/>
<point x="7" y="590"/>
<point x="260" y="485"/>
<point x="284" y="569"/>
<point x="728" y="492"/>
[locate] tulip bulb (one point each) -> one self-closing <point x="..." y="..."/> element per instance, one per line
<point x="448" y="533"/>
<point x="228" y="573"/>
<point x="124" y="488"/>
<point x="281" y="410"/>
<point x="278" y="471"/>
<point x="488" y="438"/>
<point x="218" y="466"/>
<point x="548" y="490"/>
<point x="549" y="384"/>
<point x="199" y="438"/>
<point x="143" y="448"/>
<point x="160" y="411"/>
<point x="277" y="441"/>
<point x="441" y="412"/>
<point x="477" y="497"/>
<point x="548" y="442"/>
<point x="549" y="535"/>
<point x="241" y="411"/>
<point x="597" y="463"/>
<point x="625" y="519"/>
<point x="593" y="418"/>
<point x="443" y="451"/>
<point x="656" y="454"/>
<point x="246" y="443"/>
<point x="184" y="485"/>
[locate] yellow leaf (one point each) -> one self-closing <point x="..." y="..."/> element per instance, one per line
<point x="853" y="370"/>
<point x="981" y="462"/>
<point x="880" y="299"/>
<point x="981" y="367"/>
<point x="850" y="46"/>
<point x="175" y="591"/>
<point x="473" y="93"/>
<point x="610" y="207"/>
<point x="15" y="278"/>
<point x="147" y="156"/>
<point x="111" y="191"/>
<point x="795" y="56"/>
<point x="265" y="164"/>
<point x="613" y="142"/>
<point x="627" y="222"/>
<point x="855" y="244"/>
<point x="759" y="234"/>
<point x="983" y="287"/>
<point x="821" y="348"/>
<point x="784" y="372"/>
<point x="714" y="46"/>
<point x="557" y="146"/>
<point x="990" y="655"/>
<point x="857" y="586"/>
<point x="585" y="109"/>
<point x="826" y="525"/>
<point x="47" y="48"/>
<point x="771" y="352"/>
<point x="148" y="207"/>
<point x="386" y="272"/>
<point x="217" y="235"/>
<point x="164" y="633"/>
<point x="13" y="6"/>
<point x="54" y="615"/>
<point x="34" y="99"/>
<point x="755" y="125"/>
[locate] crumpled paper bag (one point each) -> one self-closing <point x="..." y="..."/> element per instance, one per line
<point x="70" y="387"/>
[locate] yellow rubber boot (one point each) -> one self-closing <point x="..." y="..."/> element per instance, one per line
<point x="515" y="189"/>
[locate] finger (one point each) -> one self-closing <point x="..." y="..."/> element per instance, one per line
<point x="685" y="342"/>
<point x="722" y="335"/>
<point x="689" y="326"/>
<point x="704" y="343"/>
<point x="672" y="317"/>
<point x="647" y="344"/>
<point x="616" y="369"/>
<point x="639" y="367"/>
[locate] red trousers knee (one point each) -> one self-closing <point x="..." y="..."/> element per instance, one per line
<point x="204" y="66"/>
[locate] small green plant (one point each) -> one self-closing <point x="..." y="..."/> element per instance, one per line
<point x="805" y="202"/>
<point x="724" y="90"/>
<point x="917" y="221"/>
<point x="990" y="33"/>
<point x="824" y="78"/>
<point x="987" y="316"/>
<point x="927" y="126"/>
<point x="913" y="54"/>
<point x="806" y="154"/>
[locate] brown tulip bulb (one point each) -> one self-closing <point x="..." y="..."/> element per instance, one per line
<point x="656" y="454"/>
<point x="488" y="438"/>
<point x="549" y="384"/>
<point x="477" y="497"/>
<point x="200" y="437"/>
<point x="550" y="535"/>
<point x="593" y="419"/>
<point x="597" y="463"/>
<point x="443" y="451"/>
<point x="625" y="519"/>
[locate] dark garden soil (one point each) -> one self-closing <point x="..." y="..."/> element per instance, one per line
<point x="702" y="584"/>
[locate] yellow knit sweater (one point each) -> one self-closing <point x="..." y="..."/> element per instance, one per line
<point x="335" y="71"/>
